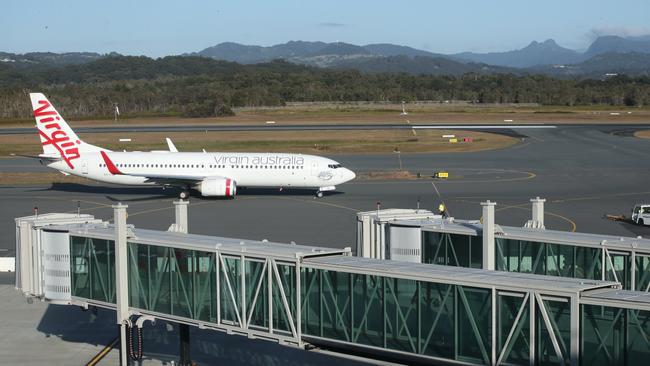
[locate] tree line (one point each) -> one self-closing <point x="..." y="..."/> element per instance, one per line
<point x="200" y="87"/>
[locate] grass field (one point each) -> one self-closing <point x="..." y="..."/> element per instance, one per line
<point x="386" y="113"/>
<point x="308" y="142"/>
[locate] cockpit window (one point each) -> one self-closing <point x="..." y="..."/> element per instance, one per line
<point x="334" y="166"/>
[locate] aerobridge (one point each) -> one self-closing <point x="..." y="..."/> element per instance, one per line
<point x="418" y="236"/>
<point x="421" y="237"/>
<point x="301" y="295"/>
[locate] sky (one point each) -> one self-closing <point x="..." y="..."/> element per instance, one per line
<point x="163" y="27"/>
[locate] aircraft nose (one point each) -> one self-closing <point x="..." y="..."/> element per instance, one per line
<point x="348" y="175"/>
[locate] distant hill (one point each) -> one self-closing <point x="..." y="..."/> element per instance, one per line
<point x="550" y="53"/>
<point x="418" y="65"/>
<point x="536" y="53"/>
<point x="601" y="66"/>
<point x="609" y="44"/>
<point x="312" y="53"/>
<point x="388" y="49"/>
<point x="48" y="59"/>
<point x="244" y="54"/>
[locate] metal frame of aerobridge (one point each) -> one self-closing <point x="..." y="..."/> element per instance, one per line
<point x="298" y="294"/>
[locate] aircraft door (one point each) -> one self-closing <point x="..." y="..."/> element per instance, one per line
<point x="84" y="167"/>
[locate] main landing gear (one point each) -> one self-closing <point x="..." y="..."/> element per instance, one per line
<point x="319" y="194"/>
<point x="184" y="194"/>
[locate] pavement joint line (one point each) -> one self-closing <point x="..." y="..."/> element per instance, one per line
<point x="108" y="206"/>
<point x="171" y="207"/>
<point x="66" y="199"/>
<point x="319" y="203"/>
<point x="520" y="146"/>
<point x="588" y="198"/>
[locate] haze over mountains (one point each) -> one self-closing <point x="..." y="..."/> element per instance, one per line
<point x="605" y="56"/>
<point x="535" y="54"/>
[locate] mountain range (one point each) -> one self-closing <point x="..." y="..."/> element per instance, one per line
<point x="605" y="56"/>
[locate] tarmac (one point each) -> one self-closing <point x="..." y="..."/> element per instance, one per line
<point x="584" y="172"/>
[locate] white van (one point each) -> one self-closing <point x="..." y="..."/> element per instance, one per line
<point x="641" y="214"/>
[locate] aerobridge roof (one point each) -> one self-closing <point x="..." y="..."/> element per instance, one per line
<point x="466" y="227"/>
<point x="392" y="214"/>
<point x="473" y="277"/>
<point x="55" y="219"/>
<point x="251" y="248"/>
<point x="619" y="298"/>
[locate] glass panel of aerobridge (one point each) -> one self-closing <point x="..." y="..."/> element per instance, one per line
<point x="457" y="275"/>
<point x="640" y="245"/>
<point x="256" y="248"/>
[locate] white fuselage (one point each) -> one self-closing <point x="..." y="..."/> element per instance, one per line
<point x="246" y="169"/>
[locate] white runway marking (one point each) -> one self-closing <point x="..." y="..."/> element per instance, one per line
<point x="492" y="127"/>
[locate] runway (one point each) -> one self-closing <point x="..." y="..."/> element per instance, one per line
<point x="490" y="127"/>
<point x="584" y="173"/>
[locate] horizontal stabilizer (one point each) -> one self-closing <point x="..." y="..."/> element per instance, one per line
<point x="48" y="158"/>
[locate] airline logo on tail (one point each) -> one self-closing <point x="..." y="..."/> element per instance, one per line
<point x="53" y="135"/>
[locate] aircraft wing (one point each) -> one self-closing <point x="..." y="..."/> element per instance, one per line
<point x="171" y="180"/>
<point x="176" y="180"/>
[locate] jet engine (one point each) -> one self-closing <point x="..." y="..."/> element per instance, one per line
<point x="217" y="187"/>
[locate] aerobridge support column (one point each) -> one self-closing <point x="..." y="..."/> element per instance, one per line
<point x="538" y="211"/>
<point x="180" y="209"/>
<point x="121" y="278"/>
<point x="180" y="215"/>
<point x="488" y="235"/>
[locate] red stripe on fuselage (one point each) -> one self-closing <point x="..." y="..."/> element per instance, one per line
<point x="109" y="164"/>
<point x="227" y="187"/>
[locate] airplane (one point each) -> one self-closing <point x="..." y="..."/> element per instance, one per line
<point x="217" y="174"/>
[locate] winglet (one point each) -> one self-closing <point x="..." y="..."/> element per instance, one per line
<point x="109" y="164"/>
<point x="172" y="147"/>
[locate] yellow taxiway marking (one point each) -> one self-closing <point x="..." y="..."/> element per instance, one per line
<point x="529" y="175"/>
<point x="523" y="206"/>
